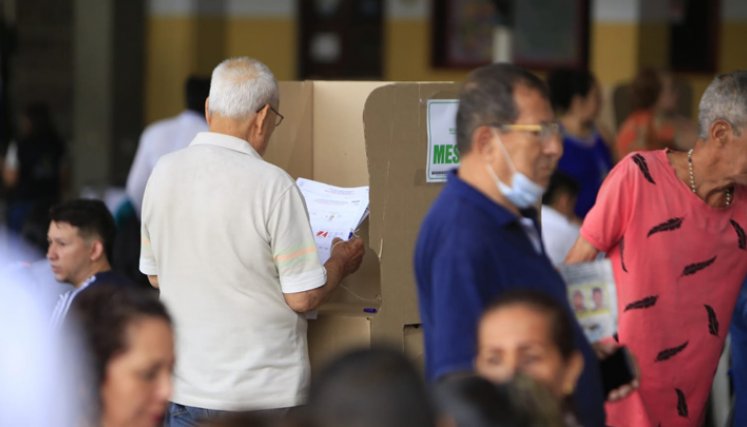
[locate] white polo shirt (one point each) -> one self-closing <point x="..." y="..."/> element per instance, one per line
<point x="227" y="234"/>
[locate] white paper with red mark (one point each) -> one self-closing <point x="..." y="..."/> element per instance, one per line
<point x="333" y="212"/>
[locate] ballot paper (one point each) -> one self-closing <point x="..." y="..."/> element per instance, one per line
<point x="593" y="297"/>
<point x="333" y="212"/>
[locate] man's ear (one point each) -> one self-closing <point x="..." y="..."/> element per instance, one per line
<point x="207" y="110"/>
<point x="262" y="116"/>
<point x="97" y="250"/>
<point x="482" y="138"/>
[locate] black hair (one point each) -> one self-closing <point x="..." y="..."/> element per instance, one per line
<point x="370" y="387"/>
<point x="196" y="90"/>
<point x="560" y="183"/>
<point x="645" y="89"/>
<point x="91" y="217"/>
<point x="40" y="121"/>
<point x="104" y="311"/>
<point x="487" y="98"/>
<point x="558" y="316"/>
<point x="567" y="83"/>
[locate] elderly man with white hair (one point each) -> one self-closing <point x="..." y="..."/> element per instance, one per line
<point x="673" y="224"/>
<point x="226" y="238"/>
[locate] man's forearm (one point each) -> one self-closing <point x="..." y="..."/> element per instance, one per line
<point x="582" y="251"/>
<point x="310" y="300"/>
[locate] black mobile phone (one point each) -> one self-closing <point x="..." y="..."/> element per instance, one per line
<point x="617" y="369"/>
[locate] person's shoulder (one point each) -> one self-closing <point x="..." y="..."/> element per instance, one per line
<point x="168" y="160"/>
<point x="271" y="174"/>
<point x="645" y="164"/>
<point x="455" y="223"/>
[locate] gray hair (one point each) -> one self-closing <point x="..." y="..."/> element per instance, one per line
<point x="724" y="99"/>
<point x="241" y="86"/>
<point x="487" y="99"/>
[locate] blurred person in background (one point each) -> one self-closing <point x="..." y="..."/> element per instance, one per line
<point x="167" y="135"/>
<point x="560" y="224"/>
<point x="40" y="371"/>
<point x="576" y="98"/>
<point x="81" y="234"/>
<point x="34" y="171"/>
<point x="369" y="388"/>
<point x="481" y="237"/>
<point x="129" y="335"/>
<point x="654" y="122"/>
<point x="159" y="138"/>
<point x="738" y="369"/>
<point x="525" y="332"/>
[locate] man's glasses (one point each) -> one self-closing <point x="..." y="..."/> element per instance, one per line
<point x="543" y="131"/>
<point x="279" y="117"/>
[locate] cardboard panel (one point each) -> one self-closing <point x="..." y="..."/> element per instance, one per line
<point x="394" y="121"/>
<point x="332" y="335"/>
<point x="361" y="292"/>
<point x="339" y="147"/>
<point x="414" y="345"/>
<point x="365" y="133"/>
<point x="292" y="144"/>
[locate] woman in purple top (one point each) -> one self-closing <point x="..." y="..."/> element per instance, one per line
<point x="576" y="99"/>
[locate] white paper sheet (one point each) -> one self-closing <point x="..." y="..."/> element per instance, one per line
<point x="333" y="212"/>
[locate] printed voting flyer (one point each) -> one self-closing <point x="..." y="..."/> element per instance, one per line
<point x="333" y="212"/>
<point x="593" y="297"/>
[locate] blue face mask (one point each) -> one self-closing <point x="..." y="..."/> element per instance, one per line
<point x="523" y="192"/>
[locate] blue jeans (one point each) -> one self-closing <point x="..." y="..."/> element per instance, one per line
<point x="187" y="416"/>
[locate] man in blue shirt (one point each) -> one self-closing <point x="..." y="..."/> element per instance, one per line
<point x="481" y="237"/>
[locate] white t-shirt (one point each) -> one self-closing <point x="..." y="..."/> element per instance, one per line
<point x="558" y="234"/>
<point x="161" y="137"/>
<point x="227" y="234"/>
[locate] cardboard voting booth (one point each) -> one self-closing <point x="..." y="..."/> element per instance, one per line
<point x="366" y="133"/>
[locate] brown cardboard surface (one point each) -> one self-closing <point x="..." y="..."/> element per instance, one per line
<point x="331" y="335"/>
<point x="291" y="144"/>
<point x="360" y="292"/>
<point x="339" y="147"/>
<point x="394" y="120"/>
<point x="339" y="158"/>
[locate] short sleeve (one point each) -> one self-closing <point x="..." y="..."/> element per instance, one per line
<point x="292" y="243"/>
<point x="607" y="220"/>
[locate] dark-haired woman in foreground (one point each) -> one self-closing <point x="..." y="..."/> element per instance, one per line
<point x="528" y="333"/>
<point x="130" y="337"/>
